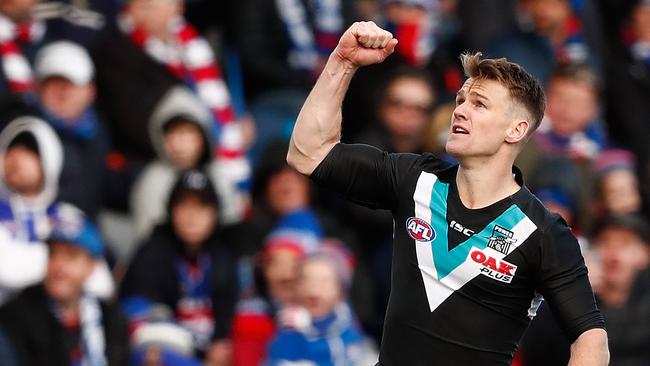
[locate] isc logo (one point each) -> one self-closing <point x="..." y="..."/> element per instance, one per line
<point x="419" y="229"/>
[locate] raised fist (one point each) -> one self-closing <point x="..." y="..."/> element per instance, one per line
<point x="364" y="43"/>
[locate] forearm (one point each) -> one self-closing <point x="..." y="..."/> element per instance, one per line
<point x="590" y="349"/>
<point x="318" y="127"/>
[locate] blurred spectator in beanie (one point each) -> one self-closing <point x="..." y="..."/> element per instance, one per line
<point x="30" y="168"/>
<point x="188" y="266"/>
<point x="56" y="322"/>
<point x="20" y="37"/>
<point x="404" y="112"/>
<point x="156" y="339"/>
<point x="275" y="277"/>
<point x="66" y="96"/>
<point x="618" y="186"/>
<point x="551" y="33"/>
<point x="180" y="130"/>
<point x="309" y="334"/>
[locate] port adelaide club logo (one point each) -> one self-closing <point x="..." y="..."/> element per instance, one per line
<point x="420" y="230"/>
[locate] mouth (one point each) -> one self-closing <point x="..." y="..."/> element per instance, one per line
<point x="459" y="130"/>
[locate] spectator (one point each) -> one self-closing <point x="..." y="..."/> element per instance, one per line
<point x="570" y="127"/>
<point x="618" y="186"/>
<point x="628" y="100"/>
<point x="296" y="235"/>
<point x="552" y="32"/>
<point x="308" y="334"/>
<point x="155" y="338"/>
<point x="160" y="30"/>
<point x="180" y="130"/>
<point x="20" y="37"/>
<point x="56" y="322"/>
<point x="66" y="95"/>
<point x="187" y="266"/>
<point x="404" y="112"/>
<point x="412" y="22"/>
<point x="623" y="292"/>
<point x="284" y="43"/>
<point x="32" y="160"/>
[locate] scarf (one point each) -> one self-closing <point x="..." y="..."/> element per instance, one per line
<point x="416" y="40"/>
<point x="194" y="308"/>
<point x="639" y="49"/>
<point x="310" y="39"/>
<point x="574" y="49"/>
<point x="190" y="58"/>
<point x="15" y="66"/>
<point x="83" y="128"/>
<point x="93" y="342"/>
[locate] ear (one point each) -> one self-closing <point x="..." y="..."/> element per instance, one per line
<point x="517" y="132"/>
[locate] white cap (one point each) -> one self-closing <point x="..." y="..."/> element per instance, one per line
<point x="67" y="60"/>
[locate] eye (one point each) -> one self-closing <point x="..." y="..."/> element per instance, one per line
<point x="480" y="104"/>
<point x="459" y="101"/>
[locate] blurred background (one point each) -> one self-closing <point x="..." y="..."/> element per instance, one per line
<point x="148" y="216"/>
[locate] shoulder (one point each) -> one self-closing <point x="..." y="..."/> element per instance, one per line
<point x="27" y="305"/>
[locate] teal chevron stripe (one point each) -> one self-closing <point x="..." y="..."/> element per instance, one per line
<point x="447" y="260"/>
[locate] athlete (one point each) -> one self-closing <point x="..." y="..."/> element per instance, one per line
<point x="474" y="250"/>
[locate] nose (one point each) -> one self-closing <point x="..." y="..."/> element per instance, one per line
<point x="460" y="112"/>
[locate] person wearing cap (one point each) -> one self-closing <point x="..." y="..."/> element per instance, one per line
<point x="65" y="97"/>
<point x="617" y="183"/>
<point x="187" y="265"/>
<point x="323" y="329"/>
<point x="56" y="322"/>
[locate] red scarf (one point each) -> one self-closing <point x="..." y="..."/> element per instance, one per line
<point x="190" y="58"/>
<point x="15" y="66"/>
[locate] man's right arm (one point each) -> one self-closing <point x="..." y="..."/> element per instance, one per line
<point x="318" y="127"/>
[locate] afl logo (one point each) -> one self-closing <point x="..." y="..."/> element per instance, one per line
<point x="419" y="229"/>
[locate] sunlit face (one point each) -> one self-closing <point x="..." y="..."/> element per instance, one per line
<point x="483" y="118"/>
<point x="281" y="269"/>
<point x="623" y="254"/>
<point x="17" y="10"/>
<point x="68" y="268"/>
<point x="406" y="107"/>
<point x="23" y="170"/>
<point x="185" y="145"/>
<point x="319" y="288"/>
<point x="287" y="191"/>
<point x="65" y="99"/>
<point x="572" y="106"/>
<point x="193" y="220"/>
<point x="154" y="16"/>
<point x="620" y="192"/>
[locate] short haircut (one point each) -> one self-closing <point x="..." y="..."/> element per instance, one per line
<point x="523" y="87"/>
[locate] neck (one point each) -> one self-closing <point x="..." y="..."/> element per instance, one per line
<point x="482" y="182"/>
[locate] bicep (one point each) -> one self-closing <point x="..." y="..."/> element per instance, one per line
<point x="564" y="284"/>
<point x="363" y="174"/>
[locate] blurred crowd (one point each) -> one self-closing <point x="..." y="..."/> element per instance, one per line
<point x="148" y="216"/>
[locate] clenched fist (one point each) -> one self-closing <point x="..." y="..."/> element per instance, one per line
<point x="364" y="43"/>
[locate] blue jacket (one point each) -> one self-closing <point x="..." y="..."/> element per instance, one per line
<point x="334" y="340"/>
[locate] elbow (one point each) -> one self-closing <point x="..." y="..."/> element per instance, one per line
<point x="298" y="161"/>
